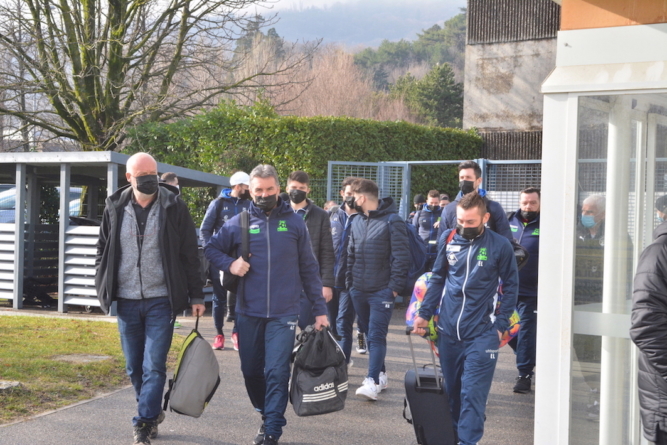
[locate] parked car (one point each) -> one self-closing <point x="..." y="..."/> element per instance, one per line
<point x="8" y="202"/>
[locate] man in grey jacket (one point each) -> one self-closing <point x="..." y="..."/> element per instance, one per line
<point x="378" y="262"/>
<point x="148" y="238"/>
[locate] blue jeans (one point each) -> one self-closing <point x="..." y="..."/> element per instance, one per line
<point x="374" y="311"/>
<point x="468" y="368"/>
<point x="344" y="322"/>
<point x="524" y="343"/>
<point x="265" y="349"/>
<point x="146" y="328"/>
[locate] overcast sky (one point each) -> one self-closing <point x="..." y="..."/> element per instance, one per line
<point x="357" y="23"/>
<point x="299" y="4"/>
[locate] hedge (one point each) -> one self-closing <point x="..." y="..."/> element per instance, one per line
<point x="233" y="137"/>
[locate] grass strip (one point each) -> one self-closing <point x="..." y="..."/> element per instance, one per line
<point x="28" y="347"/>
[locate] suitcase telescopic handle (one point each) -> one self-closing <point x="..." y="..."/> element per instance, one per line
<point x="408" y="331"/>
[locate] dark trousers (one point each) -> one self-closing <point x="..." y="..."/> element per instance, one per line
<point x="524" y="343"/>
<point x="661" y="437"/>
<point x="468" y="368"/>
<point x="307" y="318"/>
<point x="221" y="300"/>
<point x="345" y="321"/>
<point x="265" y="348"/>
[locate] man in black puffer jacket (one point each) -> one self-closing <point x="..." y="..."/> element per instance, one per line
<point x="377" y="267"/>
<point x="649" y="332"/>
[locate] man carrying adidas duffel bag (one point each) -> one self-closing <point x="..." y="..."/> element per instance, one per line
<point x="281" y="263"/>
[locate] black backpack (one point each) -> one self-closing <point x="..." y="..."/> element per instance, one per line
<point x="319" y="376"/>
<point x="417" y="256"/>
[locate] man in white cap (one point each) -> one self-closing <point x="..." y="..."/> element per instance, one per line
<point x="231" y="201"/>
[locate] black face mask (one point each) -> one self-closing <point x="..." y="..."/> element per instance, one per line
<point x="147" y="184"/>
<point x="297" y="196"/>
<point x="349" y="202"/>
<point x="469" y="233"/>
<point x="466" y="187"/>
<point x="266" y="203"/>
<point x="245" y="194"/>
<point x="529" y="216"/>
<point x="357" y="207"/>
<point x="433" y="208"/>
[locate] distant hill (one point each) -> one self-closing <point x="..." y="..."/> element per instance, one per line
<point x="365" y="23"/>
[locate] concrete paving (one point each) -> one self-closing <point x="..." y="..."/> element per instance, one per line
<point x="230" y="419"/>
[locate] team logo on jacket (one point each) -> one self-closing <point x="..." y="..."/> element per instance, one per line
<point x="282" y="226"/>
<point x="451" y="258"/>
<point x="254" y="228"/>
<point x="225" y="218"/>
<point x="482" y="255"/>
<point x="536" y="232"/>
<point x="514" y="228"/>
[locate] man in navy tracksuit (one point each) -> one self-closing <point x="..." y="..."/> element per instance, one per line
<point x="525" y="226"/>
<point x="470" y="179"/>
<point x="425" y="221"/>
<point x="378" y="260"/>
<point x="230" y="203"/>
<point x="341" y="221"/>
<point x="281" y="264"/>
<point x="465" y="280"/>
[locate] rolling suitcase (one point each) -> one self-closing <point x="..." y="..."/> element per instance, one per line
<point x="426" y="400"/>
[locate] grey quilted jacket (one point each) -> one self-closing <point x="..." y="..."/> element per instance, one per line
<point x="378" y="251"/>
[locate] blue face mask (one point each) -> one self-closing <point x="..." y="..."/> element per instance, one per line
<point x="660" y="218"/>
<point x="588" y="221"/>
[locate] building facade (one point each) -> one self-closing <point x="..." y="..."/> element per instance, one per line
<point x="604" y="128"/>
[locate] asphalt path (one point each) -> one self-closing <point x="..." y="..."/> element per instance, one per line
<point x="230" y="419"/>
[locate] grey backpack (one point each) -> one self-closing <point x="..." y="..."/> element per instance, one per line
<point x="196" y="377"/>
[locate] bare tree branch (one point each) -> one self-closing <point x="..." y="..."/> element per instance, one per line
<point x="99" y="66"/>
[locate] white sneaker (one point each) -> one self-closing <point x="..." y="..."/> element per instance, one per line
<point x="368" y="389"/>
<point x="384" y="382"/>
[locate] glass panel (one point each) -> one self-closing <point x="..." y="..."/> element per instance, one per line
<point x="611" y="140"/>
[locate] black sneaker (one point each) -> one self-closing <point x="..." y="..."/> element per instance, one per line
<point x="270" y="440"/>
<point x="522" y="385"/>
<point x="159" y="420"/>
<point x="259" y="438"/>
<point x="142" y="434"/>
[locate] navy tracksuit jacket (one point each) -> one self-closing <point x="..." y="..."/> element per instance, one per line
<point x="423" y="221"/>
<point x="465" y="282"/>
<point x="498" y="221"/>
<point x="528" y="235"/>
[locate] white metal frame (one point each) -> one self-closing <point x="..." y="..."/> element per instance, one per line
<point x="554" y="331"/>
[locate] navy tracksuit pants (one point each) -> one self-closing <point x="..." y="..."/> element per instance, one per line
<point x="468" y="368"/>
<point x="265" y="349"/>
<point x="524" y="343"/>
